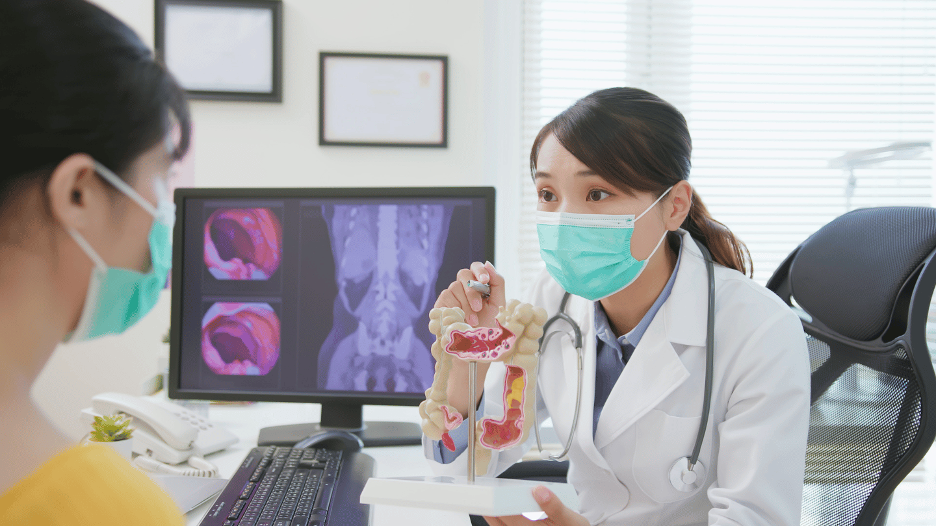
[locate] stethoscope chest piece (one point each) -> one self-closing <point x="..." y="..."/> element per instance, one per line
<point x="684" y="479"/>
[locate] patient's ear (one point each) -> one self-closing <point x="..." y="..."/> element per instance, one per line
<point x="75" y="192"/>
<point x="679" y="202"/>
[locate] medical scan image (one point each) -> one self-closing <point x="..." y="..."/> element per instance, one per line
<point x="243" y="243"/>
<point x="240" y="338"/>
<point x="387" y="259"/>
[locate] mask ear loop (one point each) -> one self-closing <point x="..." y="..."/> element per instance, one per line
<point x="126" y="189"/>
<point x="164" y="213"/>
<point x="660" y="242"/>
<point x="83" y="243"/>
<point x="649" y="208"/>
<point x="91" y="299"/>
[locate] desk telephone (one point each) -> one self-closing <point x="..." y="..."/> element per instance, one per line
<point x="163" y="431"/>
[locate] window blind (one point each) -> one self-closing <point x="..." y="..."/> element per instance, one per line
<point x="772" y="90"/>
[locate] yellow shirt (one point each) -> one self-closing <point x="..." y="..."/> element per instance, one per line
<point x="88" y="485"/>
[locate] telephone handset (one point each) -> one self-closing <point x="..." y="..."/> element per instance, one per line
<point x="162" y="430"/>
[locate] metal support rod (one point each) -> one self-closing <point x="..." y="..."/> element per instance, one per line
<point x="472" y="376"/>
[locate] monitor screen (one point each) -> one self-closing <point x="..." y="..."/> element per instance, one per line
<point x="316" y="294"/>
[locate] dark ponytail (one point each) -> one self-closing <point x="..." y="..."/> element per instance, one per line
<point x="639" y="142"/>
<point x="726" y="249"/>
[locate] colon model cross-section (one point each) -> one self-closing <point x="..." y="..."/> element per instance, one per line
<point x="515" y="341"/>
<point x="240" y="338"/>
<point x="243" y="243"/>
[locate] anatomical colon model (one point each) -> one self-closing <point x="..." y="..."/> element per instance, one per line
<point x="387" y="260"/>
<point x="514" y="341"/>
<point x="243" y="243"/>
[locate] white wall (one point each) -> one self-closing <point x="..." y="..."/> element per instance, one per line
<point x="264" y="144"/>
<point x="270" y="144"/>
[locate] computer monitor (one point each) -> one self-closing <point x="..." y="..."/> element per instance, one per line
<point x="317" y="295"/>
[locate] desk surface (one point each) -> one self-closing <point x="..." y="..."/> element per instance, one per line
<point x="246" y="420"/>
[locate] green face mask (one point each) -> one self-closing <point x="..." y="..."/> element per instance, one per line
<point x="590" y="254"/>
<point x="117" y="297"/>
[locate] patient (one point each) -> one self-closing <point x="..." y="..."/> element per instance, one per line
<point x="85" y="223"/>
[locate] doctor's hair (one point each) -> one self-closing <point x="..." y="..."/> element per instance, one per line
<point x="640" y="143"/>
<point x="74" y="79"/>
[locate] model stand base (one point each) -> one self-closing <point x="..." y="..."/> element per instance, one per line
<point x="492" y="497"/>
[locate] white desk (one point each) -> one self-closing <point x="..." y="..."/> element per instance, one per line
<point x="246" y="420"/>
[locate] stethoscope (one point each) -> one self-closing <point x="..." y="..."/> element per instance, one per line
<point x="687" y="473"/>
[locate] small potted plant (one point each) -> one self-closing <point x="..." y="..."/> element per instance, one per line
<point x="113" y="431"/>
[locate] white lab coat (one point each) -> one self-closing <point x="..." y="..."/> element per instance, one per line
<point x="755" y="444"/>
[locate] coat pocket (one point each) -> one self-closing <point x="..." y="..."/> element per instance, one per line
<point x="663" y="439"/>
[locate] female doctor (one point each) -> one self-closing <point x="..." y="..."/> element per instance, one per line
<point x="639" y="293"/>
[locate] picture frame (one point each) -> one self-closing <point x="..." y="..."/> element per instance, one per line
<point x="379" y="99"/>
<point x="223" y="49"/>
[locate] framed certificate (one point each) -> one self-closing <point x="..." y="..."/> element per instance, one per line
<point x="370" y="99"/>
<point x="223" y="49"/>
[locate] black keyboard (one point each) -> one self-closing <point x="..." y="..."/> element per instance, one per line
<point x="284" y="486"/>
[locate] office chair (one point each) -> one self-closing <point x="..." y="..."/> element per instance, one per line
<point x="862" y="286"/>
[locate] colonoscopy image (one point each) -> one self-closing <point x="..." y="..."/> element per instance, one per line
<point x="243" y="243"/>
<point x="387" y="260"/>
<point x="240" y="338"/>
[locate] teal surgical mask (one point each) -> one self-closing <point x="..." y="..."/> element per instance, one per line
<point x="117" y="297"/>
<point x="590" y="254"/>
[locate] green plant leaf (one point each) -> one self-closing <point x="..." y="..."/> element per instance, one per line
<point x="111" y="428"/>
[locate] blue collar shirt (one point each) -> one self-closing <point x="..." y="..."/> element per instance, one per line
<point x="614" y="352"/>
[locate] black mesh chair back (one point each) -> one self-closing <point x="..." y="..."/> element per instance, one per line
<point x="862" y="285"/>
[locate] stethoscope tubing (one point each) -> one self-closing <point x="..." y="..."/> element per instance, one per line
<point x="577" y="342"/>
<point x="578" y="395"/>
<point x="580" y="355"/>
<point x="709" y="356"/>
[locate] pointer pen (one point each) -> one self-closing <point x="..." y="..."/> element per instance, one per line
<point x="483" y="288"/>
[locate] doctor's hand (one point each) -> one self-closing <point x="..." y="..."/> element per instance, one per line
<point x="479" y="311"/>
<point x="557" y="514"/>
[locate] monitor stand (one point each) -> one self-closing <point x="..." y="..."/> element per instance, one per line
<point x="347" y="417"/>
